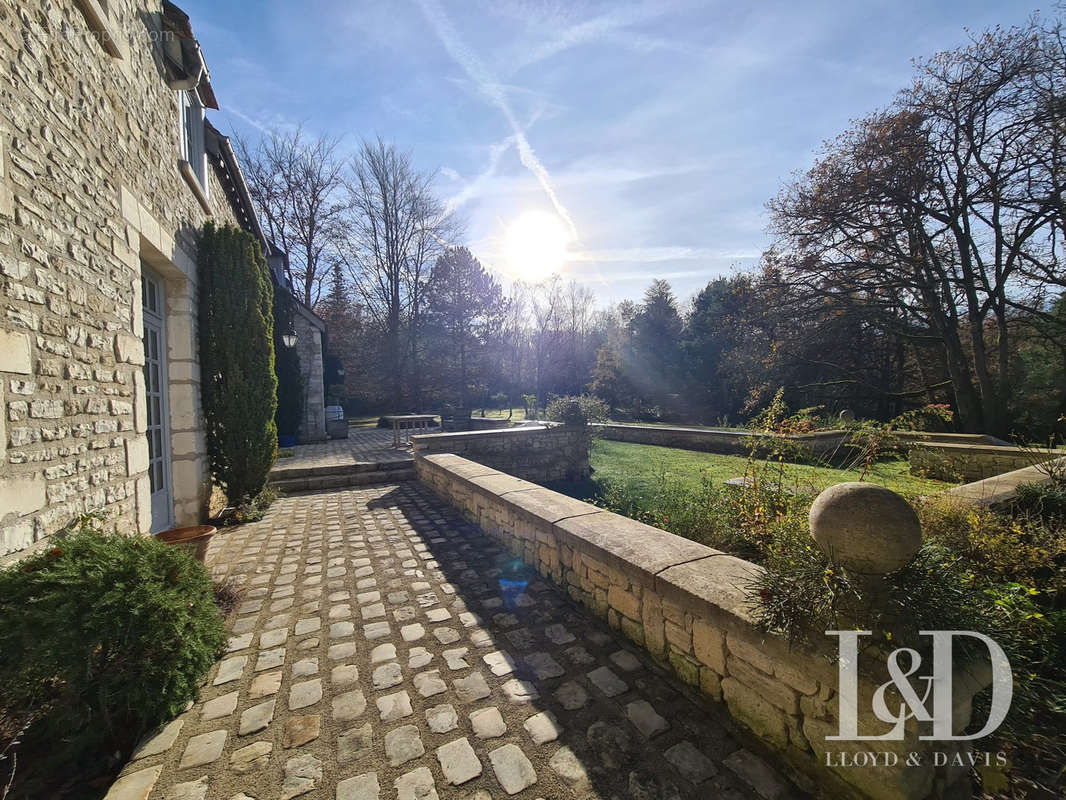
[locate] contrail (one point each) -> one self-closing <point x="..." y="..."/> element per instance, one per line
<point x="489" y="87"/>
<point x="496" y="152"/>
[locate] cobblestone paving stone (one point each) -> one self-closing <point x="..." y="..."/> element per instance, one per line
<point x="386" y="648"/>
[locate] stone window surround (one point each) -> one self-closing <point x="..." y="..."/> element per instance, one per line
<point x="153" y="246"/>
<point x="193" y="148"/>
<point x="101" y="23"/>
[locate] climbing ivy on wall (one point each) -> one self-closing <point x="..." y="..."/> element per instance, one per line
<point x="238" y="384"/>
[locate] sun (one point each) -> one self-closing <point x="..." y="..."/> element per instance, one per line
<point x="535" y="245"/>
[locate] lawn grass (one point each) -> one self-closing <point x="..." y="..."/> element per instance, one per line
<point x="517" y="414"/>
<point x="638" y="467"/>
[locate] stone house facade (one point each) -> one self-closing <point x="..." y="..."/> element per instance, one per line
<point x="310" y="333"/>
<point x="108" y="169"/>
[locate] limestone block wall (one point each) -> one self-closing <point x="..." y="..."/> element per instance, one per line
<point x="687" y="605"/>
<point x="999" y="490"/>
<point x="821" y="443"/>
<point x="970" y="462"/>
<point x="541" y="454"/>
<point x="309" y="348"/>
<point x="91" y="191"/>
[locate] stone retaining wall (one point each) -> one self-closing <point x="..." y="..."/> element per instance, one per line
<point x="823" y="444"/>
<point x="687" y="605"/>
<point x="541" y="453"/>
<point x="969" y="462"/>
<point x="999" y="490"/>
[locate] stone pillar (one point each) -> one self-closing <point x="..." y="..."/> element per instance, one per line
<point x="870" y="532"/>
<point x="309" y="348"/>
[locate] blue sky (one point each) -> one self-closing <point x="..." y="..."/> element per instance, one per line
<point x="655" y="131"/>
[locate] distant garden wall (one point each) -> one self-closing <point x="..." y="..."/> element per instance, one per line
<point x="824" y="444"/>
<point x="541" y="453"/>
<point x="969" y="462"/>
<point x="687" y="605"/>
<point x="820" y="443"/>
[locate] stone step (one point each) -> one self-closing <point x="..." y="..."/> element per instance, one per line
<point x="285" y="473"/>
<point x="314" y="483"/>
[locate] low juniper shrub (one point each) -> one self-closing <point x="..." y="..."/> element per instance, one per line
<point x="102" y="637"/>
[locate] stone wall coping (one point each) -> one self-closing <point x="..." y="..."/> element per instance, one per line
<point x="983" y="449"/>
<point x="951" y="438"/>
<point x="539" y="503"/>
<point x="728" y="434"/>
<point x="461" y="467"/>
<point x="631" y="547"/>
<point x="998" y="489"/>
<point x="501" y="483"/>
<point x="460" y="436"/>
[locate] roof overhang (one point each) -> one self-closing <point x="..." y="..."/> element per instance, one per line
<point x="182" y="58"/>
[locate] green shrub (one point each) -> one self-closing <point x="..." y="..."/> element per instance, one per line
<point x="238" y="384"/>
<point x="102" y="637"/>
<point x="253" y="509"/>
<point x="1045" y="501"/>
<point x="576" y="410"/>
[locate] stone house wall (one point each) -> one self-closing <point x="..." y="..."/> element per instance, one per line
<point x="688" y="606"/>
<point x="309" y="347"/>
<point x="541" y="454"/>
<point x="90" y="193"/>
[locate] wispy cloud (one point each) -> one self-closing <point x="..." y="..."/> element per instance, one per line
<point x="476" y="186"/>
<point x="605" y="27"/>
<point x="652" y="255"/>
<point x="276" y="122"/>
<point x="490" y="88"/>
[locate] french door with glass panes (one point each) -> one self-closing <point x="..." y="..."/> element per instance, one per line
<point x="155" y="381"/>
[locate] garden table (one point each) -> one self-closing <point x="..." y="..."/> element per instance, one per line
<point x="405" y="423"/>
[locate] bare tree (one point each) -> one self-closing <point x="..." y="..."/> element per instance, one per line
<point x="297" y="184"/>
<point x="941" y="214"/>
<point x="397" y="228"/>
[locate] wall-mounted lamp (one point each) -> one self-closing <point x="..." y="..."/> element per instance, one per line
<point x="288" y="339"/>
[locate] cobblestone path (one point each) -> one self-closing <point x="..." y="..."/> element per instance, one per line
<point x="386" y="648"/>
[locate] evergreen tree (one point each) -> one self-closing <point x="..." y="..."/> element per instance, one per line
<point x="653" y="359"/>
<point x="466" y="308"/>
<point x="238" y="384"/>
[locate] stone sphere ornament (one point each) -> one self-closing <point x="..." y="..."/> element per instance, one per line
<point x="867" y="529"/>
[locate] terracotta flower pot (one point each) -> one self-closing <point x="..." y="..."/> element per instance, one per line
<point x="195" y="537"/>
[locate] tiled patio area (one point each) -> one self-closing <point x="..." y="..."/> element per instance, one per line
<point x="385" y="648"/>
<point x="363" y="445"/>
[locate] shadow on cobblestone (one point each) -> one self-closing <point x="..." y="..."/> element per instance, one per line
<point x="387" y="648"/>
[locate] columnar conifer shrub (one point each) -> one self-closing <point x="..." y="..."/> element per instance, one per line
<point x="102" y="637"/>
<point x="238" y="383"/>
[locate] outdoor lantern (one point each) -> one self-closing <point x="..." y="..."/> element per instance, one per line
<point x="288" y="339"/>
